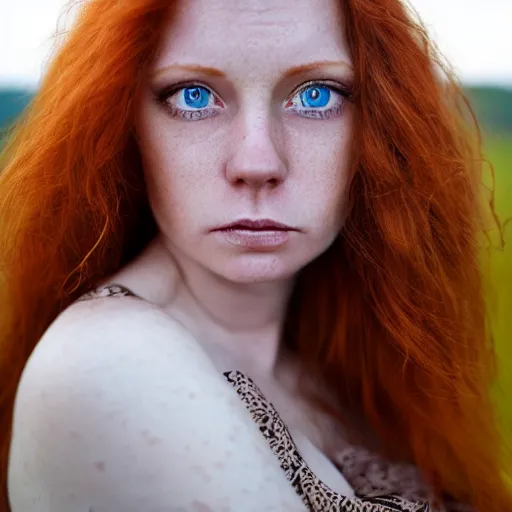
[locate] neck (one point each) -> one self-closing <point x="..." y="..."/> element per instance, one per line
<point x="243" y="322"/>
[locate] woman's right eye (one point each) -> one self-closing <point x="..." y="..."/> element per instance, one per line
<point x="192" y="102"/>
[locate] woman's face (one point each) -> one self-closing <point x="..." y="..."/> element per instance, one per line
<point x="246" y="115"/>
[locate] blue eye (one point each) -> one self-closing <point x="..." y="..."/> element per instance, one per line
<point x="196" y="97"/>
<point x="318" y="101"/>
<point x="314" y="97"/>
<point x="192" y="102"/>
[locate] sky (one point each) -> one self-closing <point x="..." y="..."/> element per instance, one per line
<point x="474" y="35"/>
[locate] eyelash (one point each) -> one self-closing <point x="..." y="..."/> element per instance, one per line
<point x="199" y="114"/>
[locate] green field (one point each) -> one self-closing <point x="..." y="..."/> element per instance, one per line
<point x="499" y="152"/>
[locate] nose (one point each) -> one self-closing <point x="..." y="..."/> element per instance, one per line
<point x="255" y="161"/>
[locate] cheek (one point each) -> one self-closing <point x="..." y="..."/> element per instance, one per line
<point x="179" y="172"/>
<point x="322" y="170"/>
<point x="175" y="166"/>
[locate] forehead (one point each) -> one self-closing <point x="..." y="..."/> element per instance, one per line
<point x="264" y="33"/>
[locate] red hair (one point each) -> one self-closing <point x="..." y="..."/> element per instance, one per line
<point x="392" y="316"/>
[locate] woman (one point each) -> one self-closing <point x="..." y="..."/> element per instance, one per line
<point x="239" y="251"/>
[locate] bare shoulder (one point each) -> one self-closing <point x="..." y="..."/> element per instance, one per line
<point x="110" y="415"/>
<point x="115" y="321"/>
<point x="109" y="330"/>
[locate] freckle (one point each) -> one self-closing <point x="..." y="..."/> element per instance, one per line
<point x="220" y="465"/>
<point x="199" y="506"/>
<point x="151" y="439"/>
<point x="191" y="396"/>
<point x="100" y="466"/>
<point x="205" y="476"/>
<point x="229" y="453"/>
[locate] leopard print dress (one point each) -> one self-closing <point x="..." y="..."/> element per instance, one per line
<point x="379" y="486"/>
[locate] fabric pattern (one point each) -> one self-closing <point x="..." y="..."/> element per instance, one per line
<point x="314" y="493"/>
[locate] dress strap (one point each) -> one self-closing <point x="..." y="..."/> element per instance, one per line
<point x="111" y="290"/>
<point x="315" y="494"/>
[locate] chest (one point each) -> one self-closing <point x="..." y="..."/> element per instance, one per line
<point x="313" y="446"/>
<point x="278" y="409"/>
<point x="313" y="434"/>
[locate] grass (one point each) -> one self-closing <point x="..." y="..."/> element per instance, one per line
<point x="499" y="152"/>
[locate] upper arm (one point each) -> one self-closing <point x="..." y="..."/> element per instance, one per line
<point x="119" y="410"/>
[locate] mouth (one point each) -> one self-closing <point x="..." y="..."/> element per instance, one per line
<point x="260" y="235"/>
<point x="255" y="225"/>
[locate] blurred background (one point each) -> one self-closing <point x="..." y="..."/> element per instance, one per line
<point x="475" y="37"/>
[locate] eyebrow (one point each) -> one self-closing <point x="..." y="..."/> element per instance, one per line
<point x="291" y="72"/>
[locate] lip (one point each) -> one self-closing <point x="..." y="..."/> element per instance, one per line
<point x="256" y="225"/>
<point x="255" y="240"/>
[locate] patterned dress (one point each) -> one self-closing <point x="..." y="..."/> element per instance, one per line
<point x="379" y="486"/>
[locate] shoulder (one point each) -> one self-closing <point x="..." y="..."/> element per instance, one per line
<point x="110" y="414"/>
<point x="97" y="343"/>
<point x="98" y="396"/>
<point x="115" y="322"/>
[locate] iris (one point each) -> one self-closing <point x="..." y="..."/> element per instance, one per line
<point x="196" y="97"/>
<point x="317" y="96"/>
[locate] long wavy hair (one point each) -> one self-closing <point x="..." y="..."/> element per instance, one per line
<point x="392" y="317"/>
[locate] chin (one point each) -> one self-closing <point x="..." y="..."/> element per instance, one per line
<point x="258" y="268"/>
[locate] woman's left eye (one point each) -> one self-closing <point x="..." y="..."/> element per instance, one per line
<point x="196" y="102"/>
<point x="318" y="101"/>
